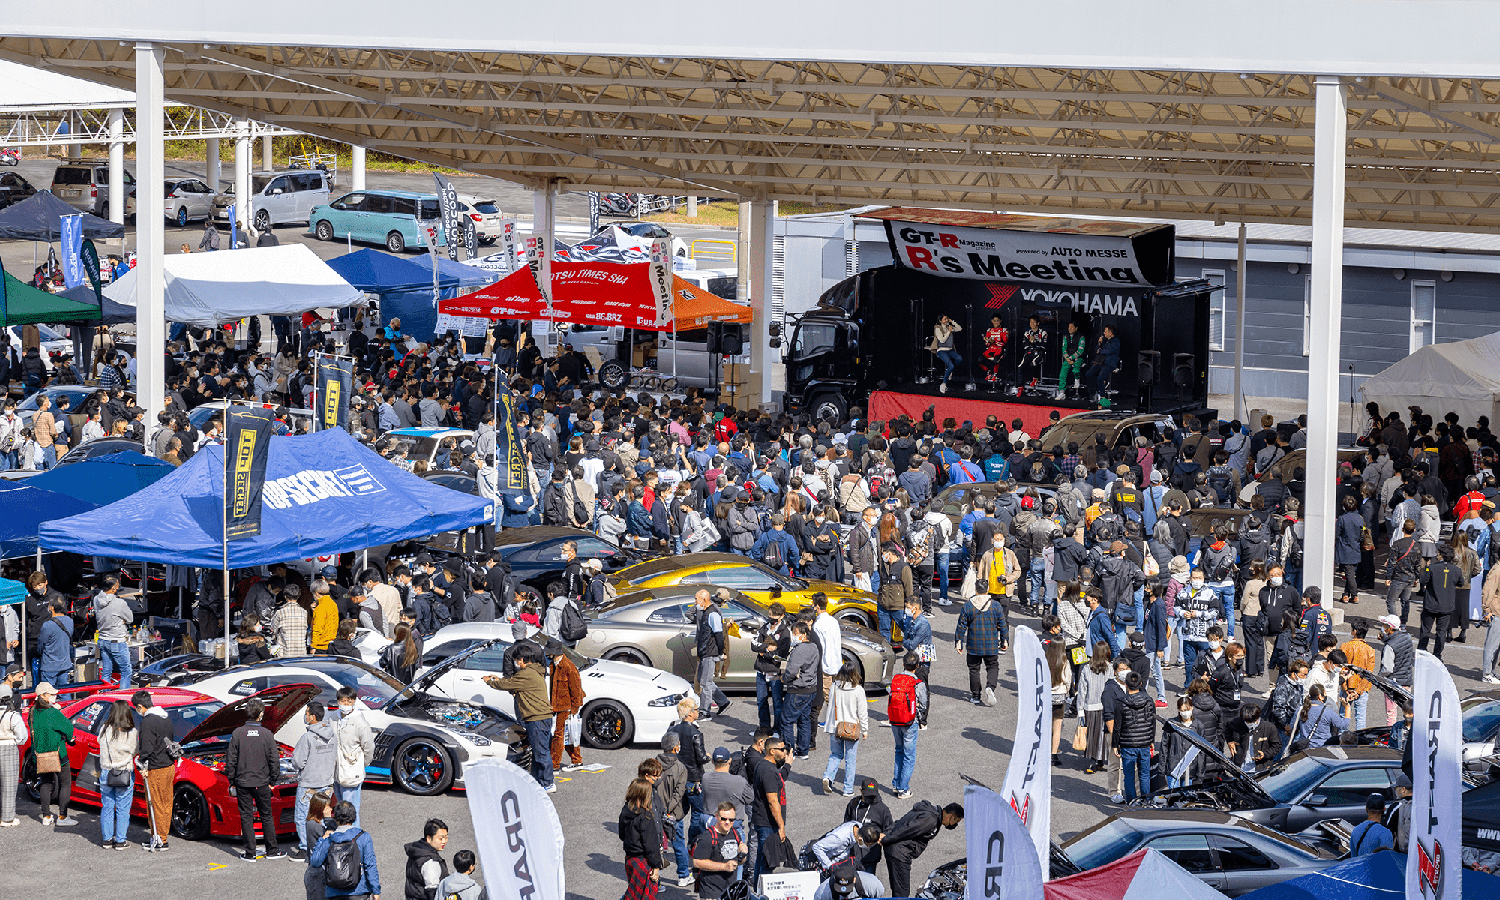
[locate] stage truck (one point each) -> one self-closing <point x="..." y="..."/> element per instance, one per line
<point x="1043" y="314"/>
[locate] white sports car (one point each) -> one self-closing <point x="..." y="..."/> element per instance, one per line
<point x="623" y="702"/>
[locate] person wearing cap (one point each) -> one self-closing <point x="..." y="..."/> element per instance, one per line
<point x="869" y="809"/>
<point x="846" y="881"/>
<point x="1397" y="659"/>
<point x="1370" y="836"/>
<point x="51" y="732"/>
<point x="775" y="547"/>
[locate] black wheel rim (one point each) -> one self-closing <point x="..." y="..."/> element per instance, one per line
<point x="612" y="375"/>
<point x="262" y="221"/>
<point x="422" y="765"/>
<point x="605" y="724"/>
<point x="188" y="812"/>
<point x="827" y="409"/>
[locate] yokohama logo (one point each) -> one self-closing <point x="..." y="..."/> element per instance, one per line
<point x="999" y="293"/>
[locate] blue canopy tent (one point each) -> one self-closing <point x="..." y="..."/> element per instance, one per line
<point x="11" y="592"/>
<point x="405" y="285"/>
<point x="324" y="494"/>
<point x="1379" y="876"/>
<point x="24" y="508"/>
<point x="103" y="479"/>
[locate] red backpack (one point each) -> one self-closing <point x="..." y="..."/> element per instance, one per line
<point x="902" y="706"/>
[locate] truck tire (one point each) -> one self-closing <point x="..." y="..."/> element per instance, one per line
<point x="613" y="375"/>
<point x="829" y="405"/>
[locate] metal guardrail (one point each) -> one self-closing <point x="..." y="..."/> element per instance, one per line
<point x="714" y="249"/>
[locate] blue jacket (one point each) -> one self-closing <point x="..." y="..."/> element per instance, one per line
<point x="982" y="631"/>
<point x="1156" y="626"/>
<point x="996" y="468"/>
<point x="369" y="875"/>
<point x="1100" y="629"/>
<point x="917" y="632"/>
<point x="515" y="511"/>
<point x="55" y="644"/>
<point x="789" y="551"/>
<point x="637" y="519"/>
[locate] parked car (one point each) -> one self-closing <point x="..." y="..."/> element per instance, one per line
<point x="1295" y="793"/>
<point x="625" y="703"/>
<point x="535" y="553"/>
<point x="278" y="197"/>
<point x="14" y="189"/>
<point x="423" y="741"/>
<point x="52" y="343"/>
<point x="431" y="445"/>
<point x="202" y="802"/>
<point x="486" y="216"/>
<point x="651" y="231"/>
<point x="752" y="578"/>
<point x="1479" y="714"/>
<point x="199" y="415"/>
<point x="188" y="199"/>
<point x="1119" y="429"/>
<point x="654" y="627"/>
<point x="377" y="217"/>
<point x="84" y="184"/>
<point x="70" y="394"/>
<point x="99" y="447"/>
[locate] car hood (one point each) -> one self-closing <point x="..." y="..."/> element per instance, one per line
<point x="622" y="675"/>
<point x="868" y="635"/>
<point x="837" y="592"/>
<point x="1231" y="771"/>
<point x="426" y="680"/>
<point x="1391" y="688"/>
<point x="281" y="702"/>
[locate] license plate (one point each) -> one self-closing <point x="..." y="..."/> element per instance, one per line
<point x="78" y="193"/>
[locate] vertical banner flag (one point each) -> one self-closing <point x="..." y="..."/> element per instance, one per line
<point x="510" y="458"/>
<point x="508" y="243"/>
<point x="246" y="448"/>
<point x="540" y="271"/>
<point x="452" y="221"/>
<point x="72" y="243"/>
<point x="1028" y="780"/>
<point x="1434" y="850"/>
<point x="517" y="831"/>
<point x="234" y="227"/>
<point x="1002" y="861"/>
<point x="471" y="243"/>
<point x="335" y="378"/>
<point x="661" y="279"/>
<point x="593" y="212"/>
<point x="89" y="257"/>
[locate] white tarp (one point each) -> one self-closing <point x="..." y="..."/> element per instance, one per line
<point x="207" y="289"/>
<point x="1461" y="377"/>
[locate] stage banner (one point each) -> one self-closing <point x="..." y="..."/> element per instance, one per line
<point x="72" y="244"/>
<point x="517" y="831"/>
<point x="248" y="433"/>
<point x="661" y="279"/>
<point x="1435" y="848"/>
<point x="510" y="458"/>
<point x="1002" y="861"/>
<point x="1028" y="780"/>
<point x="1038" y="257"/>
<point x="335" y="379"/>
<point x="448" y="208"/>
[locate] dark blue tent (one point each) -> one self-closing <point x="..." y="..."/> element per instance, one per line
<point x="405" y="285"/>
<point x="324" y="494"/>
<point x="23" y="510"/>
<point x="103" y="479"/>
<point x="1379" y="876"/>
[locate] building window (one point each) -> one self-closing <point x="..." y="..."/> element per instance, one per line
<point x="1306" y="314"/>
<point x="1217" y="309"/>
<point x="1423" y="314"/>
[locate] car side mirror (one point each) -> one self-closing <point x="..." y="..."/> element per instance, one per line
<point x="276" y="192"/>
<point x="1316" y="801"/>
<point x="776" y="591"/>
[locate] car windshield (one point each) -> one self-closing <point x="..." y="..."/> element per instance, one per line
<point x="411" y="447"/>
<point x="1107" y="843"/>
<point x="186" y="718"/>
<point x="646" y="571"/>
<point x="374" y="687"/>
<point x="1291" y="779"/>
<point x="488" y="207"/>
<point x="1481" y="716"/>
<point x="258" y="183"/>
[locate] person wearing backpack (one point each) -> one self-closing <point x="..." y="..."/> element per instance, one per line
<point x="1291" y="545"/>
<point x="461" y="884"/>
<point x="777" y="549"/>
<point x="347" y="857"/>
<point x="565" y="621"/>
<point x="1219" y="567"/>
<point x="1223" y="480"/>
<point x="906" y="704"/>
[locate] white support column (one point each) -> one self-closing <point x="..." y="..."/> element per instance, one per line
<point x="743" y="264"/>
<point x="242" y="172"/>
<point x="1327" y="312"/>
<point x="266" y="155"/>
<point x="116" y="197"/>
<point x="150" y="228"/>
<point x="214" y="170"/>
<point x="762" y="358"/>
<point x="357" y="168"/>
<point x="1239" y="329"/>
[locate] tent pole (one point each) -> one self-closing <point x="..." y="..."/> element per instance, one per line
<point x="226" y="547"/>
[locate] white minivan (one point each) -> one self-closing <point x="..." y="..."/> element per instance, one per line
<point x="279" y="197"/>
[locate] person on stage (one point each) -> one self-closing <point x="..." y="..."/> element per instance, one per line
<point x="995" y="340"/>
<point x="1033" y="352"/>
<point x="1106" y="360"/>
<point x="942" y="345"/>
<point x="1073" y="348"/>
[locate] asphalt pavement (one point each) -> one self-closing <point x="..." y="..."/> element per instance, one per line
<point x="962" y="739"/>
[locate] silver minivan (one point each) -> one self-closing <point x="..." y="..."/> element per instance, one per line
<point x="279" y="197"/>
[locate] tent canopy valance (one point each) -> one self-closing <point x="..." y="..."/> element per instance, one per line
<point x="324" y="494"/>
<point x="209" y="289"/>
<point x="22" y="304"/>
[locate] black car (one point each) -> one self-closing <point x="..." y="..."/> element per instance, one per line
<point x="100" y="447"/>
<point x="1300" y="791"/>
<point x="535" y="553"/>
<point x="14" y="189"/>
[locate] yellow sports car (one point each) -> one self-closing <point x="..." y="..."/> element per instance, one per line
<point x="752" y="578"/>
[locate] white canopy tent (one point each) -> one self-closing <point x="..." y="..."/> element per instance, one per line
<point x="1461" y="377"/>
<point x="207" y="289"/>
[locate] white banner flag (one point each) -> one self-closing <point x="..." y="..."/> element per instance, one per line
<point x="1002" y="861"/>
<point x="661" y="279"/>
<point x="516" y="828"/>
<point x="1435" y="848"/>
<point x="1028" y="781"/>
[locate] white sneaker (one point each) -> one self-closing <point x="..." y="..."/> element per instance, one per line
<point x="989" y="697"/>
<point x="551" y="788"/>
<point x="943" y="388"/>
<point x="1489" y="679"/>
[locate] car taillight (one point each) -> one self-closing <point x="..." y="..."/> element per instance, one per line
<point x="476" y="217"/>
<point x="93" y="191"/>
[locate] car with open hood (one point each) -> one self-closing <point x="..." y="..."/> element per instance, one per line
<point x="752" y="578"/>
<point x="1479" y="713"/>
<point x="654" y="627"/>
<point x="423" y="740"/>
<point x="202" y="804"/>
<point x="1331" y="782"/>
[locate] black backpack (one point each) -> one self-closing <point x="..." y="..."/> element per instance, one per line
<point x="1108" y="528"/>
<point x="1218" y="479"/>
<point x="1185" y="474"/>
<point x="343" y="868"/>
<point x="573" y="626"/>
<point x="773" y="556"/>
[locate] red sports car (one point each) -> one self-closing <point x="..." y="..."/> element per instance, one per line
<point x="201" y="803"/>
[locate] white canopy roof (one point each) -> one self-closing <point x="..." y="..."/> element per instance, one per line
<point x="1461" y="377"/>
<point x="207" y="289"/>
<point x="27" y="87"/>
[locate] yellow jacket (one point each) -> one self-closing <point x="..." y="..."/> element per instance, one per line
<point x="325" y="623"/>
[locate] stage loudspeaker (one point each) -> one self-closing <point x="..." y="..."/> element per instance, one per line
<point x="1146" y="363"/>
<point x="1182" y="369"/>
<point x="733" y="341"/>
<point x="715" y="336"/>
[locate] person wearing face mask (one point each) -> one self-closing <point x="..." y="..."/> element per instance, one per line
<point x="1276" y="599"/>
<point x="1251" y="740"/>
<point x="823" y="545"/>
<point x="356" y="748"/>
<point x="1209" y="656"/>
<point x="1174" y="748"/>
<point x="1113" y="700"/>
<point x="1198" y="609"/>
<point x="1285" y="706"/>
<point x="1226" y="678"/>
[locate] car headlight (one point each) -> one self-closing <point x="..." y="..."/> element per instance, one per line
<point x="477" y="740"/>
<point x="668" y="700"/>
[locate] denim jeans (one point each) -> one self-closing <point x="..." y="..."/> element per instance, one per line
<point x="796" y="721"/>
<point x="905" y="737"/>
<point x="768" y="696"/>
<point x="304" y="800"/>
<point x="49" y="457"/>
<point x="1491" y="647"/>
<point x="1226" y="597"/>
<point x="705" y="685"/>
<point x="1136" y="761"/>
<point x="847" y="752"/>
<point x="539" y="736"/>
<point x="58" y="679"/>
<point x="351" y="793"/>
<point x="1161" y="683"/>
<point x="115" y="656"/>
<point x="764" y="835"/>
<point x="1037" y="579"/>
<point x="1361" y="704"/>
<point x="950" y="360"/>
<point x="1190" y="651"/>
<point x="114" y="810"/>
<point x="942" y="560"/>
<point x="680" y="847"/>
<point x="7" y="460"/>
<point x="886" y="617"/>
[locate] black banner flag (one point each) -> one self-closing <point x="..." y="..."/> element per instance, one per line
<point x="249" y="432"/>
<point x="335" y="380"/>
<point x="510" y="457"/>
<point x="452" y="220"/>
